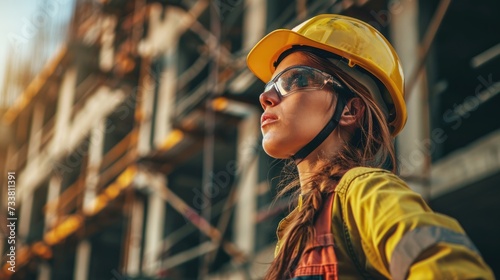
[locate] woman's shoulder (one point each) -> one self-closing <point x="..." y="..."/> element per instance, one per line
<point x="361" y="179"/>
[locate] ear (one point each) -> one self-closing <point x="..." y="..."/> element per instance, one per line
<point x="353" y="112"/>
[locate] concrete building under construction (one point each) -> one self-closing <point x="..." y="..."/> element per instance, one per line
<point x="136" y="147"/>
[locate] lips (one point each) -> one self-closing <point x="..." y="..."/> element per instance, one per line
<point x="267" y="118"/>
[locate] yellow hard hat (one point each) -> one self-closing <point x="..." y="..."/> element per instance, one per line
<point x="358" y="42"/>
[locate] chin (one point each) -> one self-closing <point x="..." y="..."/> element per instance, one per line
<point x="275" y="150"/>
<point x="270" y="151"/>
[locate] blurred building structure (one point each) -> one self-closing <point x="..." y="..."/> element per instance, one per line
<point x="137" y="146"/>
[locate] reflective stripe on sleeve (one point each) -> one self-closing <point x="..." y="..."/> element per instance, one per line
<point x="417" y="241"/>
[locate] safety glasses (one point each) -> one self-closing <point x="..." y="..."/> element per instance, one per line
<point x="300" y="78"/>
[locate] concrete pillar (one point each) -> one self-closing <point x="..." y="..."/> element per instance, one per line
<point x="147" y="93"/>
<point x="36" y="132"/>
<point x="244" y="227"/>
<point x="52" y="194"/>
<point x="166" y="98"/>
<point x="82" y="260"/>
<point x="133" y="267"/>
<point x="405" y="38"/>
<point x="102" y="102"/>
<point x="64" y="108"/>
<point x="165" y="26"/>
<point x="106" y="53"/>
<point x="44" y="271"/>
<point x="254" y="22"/>
<point x="154" y="233"/>
<point x="94" y="160"/>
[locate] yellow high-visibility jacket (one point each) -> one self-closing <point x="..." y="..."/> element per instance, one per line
<point x="393" y="234"/>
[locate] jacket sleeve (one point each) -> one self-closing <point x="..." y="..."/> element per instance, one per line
<point x="402" y="238"/>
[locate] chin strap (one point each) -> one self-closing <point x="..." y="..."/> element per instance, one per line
<point x="323" y="134"/>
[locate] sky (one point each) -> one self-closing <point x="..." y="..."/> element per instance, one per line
<point x="19" y="20"/>
<point x="12" y="15"/>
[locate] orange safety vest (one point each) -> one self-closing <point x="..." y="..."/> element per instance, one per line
<point x="318" y="261"/>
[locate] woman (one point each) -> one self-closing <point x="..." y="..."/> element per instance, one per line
<point x="333" y="103"/>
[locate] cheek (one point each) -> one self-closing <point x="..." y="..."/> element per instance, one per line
<point x="301" y="121"/>
<point x="314" y="115"/>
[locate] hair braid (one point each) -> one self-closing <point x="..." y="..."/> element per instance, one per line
<point x="299" y="232"/>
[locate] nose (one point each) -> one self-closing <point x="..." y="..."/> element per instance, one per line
<point x="269" y="98"/>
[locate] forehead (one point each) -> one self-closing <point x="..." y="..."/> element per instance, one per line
<point x="293" y="59"/>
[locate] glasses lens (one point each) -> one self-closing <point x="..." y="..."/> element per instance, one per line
<point x="269" y="86"/>
<point x="300" y="78"/>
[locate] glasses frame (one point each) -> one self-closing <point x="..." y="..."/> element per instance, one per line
<point x="328" y="79"/>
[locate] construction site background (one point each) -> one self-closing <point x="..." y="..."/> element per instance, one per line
<point x="130" y="140"/>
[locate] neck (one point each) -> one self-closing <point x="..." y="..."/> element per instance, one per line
<point x="306" y="169"/>
<point x="311" y="166"/>
<point x="312" y="163"/>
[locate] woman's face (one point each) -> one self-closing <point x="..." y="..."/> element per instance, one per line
<point x="289" y="123"/>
